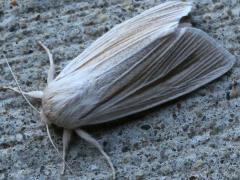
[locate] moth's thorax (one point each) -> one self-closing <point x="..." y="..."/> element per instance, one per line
<point x="66" y="101"/>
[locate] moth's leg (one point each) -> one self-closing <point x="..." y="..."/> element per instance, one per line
<point x="33" y="94"/>
<point x="66" y="139"/>
<point x="94" y="142"/>
<point x="51" y="70"/>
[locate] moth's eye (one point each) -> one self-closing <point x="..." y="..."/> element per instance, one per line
<point x="44" y="118"/>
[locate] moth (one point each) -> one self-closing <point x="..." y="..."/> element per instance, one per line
<point x="141" y="63"/>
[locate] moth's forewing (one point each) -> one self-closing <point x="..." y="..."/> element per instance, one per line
<point x="168" y="68"/>
<point x="129" y="37"/>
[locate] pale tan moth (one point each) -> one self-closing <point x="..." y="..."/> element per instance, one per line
<point x="139" y="64"/>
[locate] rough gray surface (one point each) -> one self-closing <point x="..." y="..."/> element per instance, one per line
<point x="194" y="137"/>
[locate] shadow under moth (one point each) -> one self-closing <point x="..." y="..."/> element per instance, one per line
<point x="139" y="64"/>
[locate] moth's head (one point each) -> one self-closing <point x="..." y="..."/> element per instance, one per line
<point x="47" y="112"/>
<point x="43" y="115"/>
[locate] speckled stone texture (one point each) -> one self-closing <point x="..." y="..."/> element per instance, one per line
<point x="194" y="137"/>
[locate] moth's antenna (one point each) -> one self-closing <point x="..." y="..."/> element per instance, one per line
<point x="51" y="70"/>
<point x="20" y="89"/>
<point x="50" y="138"/>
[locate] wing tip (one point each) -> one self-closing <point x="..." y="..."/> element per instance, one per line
<point x="230" y="59"/>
